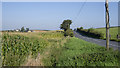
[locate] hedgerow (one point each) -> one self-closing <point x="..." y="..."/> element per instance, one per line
<point x="91" y="33"/>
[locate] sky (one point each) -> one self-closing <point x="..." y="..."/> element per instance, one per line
<point x="58" y="0"/>
<point x="49" y="15"/>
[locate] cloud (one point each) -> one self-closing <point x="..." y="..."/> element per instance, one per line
<point x="58" y="0"/>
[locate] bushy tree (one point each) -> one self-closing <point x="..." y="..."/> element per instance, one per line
<point x="27" y="29"/>
<point x="66" y="25"/>
<point x="22" y="29"/>
<point x="81" y="28"/>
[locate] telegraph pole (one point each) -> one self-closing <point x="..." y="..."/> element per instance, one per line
<point x="107" y="25"/>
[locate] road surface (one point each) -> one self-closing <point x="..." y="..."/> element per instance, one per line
<point x="101" y="42"/>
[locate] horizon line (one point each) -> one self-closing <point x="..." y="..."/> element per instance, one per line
<point x="57" y="29"/>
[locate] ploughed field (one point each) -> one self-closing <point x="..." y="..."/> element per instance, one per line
<point x="51" y="48"/>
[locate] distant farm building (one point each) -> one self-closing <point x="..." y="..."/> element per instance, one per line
<point x="17" y="30"/>
<point x="30" y="31"/>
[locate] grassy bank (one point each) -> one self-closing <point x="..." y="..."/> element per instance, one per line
<point x="77" y="52"/>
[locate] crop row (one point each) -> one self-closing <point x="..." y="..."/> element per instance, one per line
<point x="16" y="49"/>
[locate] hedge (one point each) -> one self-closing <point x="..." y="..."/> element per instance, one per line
<point x="91" y="33"/>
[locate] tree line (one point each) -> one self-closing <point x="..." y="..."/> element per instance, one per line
<point x="19" y="30"/>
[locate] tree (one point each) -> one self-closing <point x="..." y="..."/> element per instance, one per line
<point x="22" y="29"/>
<point x="27" y="29"/>
<point x="81" y="28"/>
<point x="66" y="27"/>
<point x="66" y="24"/>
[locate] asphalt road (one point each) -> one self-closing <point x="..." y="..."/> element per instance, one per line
<point x="100" y="42"/>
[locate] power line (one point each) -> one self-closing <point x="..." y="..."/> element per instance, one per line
<point x="80" y="11"/>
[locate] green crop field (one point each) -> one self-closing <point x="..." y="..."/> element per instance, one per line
<point x="113" y="32"/>
<point x="18" y="48"/>
<point x="51" y="48"/>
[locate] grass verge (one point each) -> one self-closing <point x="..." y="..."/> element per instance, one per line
<point x="77" y="52"/>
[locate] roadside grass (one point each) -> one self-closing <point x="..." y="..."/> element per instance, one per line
<point x="53" y="51"/>
<point x="113" y="32"/>
<point x="77" y="52"/>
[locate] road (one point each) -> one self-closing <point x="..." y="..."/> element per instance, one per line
<point x="101" y="42"/>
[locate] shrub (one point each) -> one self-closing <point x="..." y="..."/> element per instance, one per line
<point x="81" y="28"/>
<point x="90" y="30"/>
<point x="69" y="32"/>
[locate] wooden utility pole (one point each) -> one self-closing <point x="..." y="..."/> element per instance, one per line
<point x="107" y="25"/>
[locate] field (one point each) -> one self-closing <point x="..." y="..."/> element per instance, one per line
<point x="113" y="32"/>
<point x="51" y="48"/>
